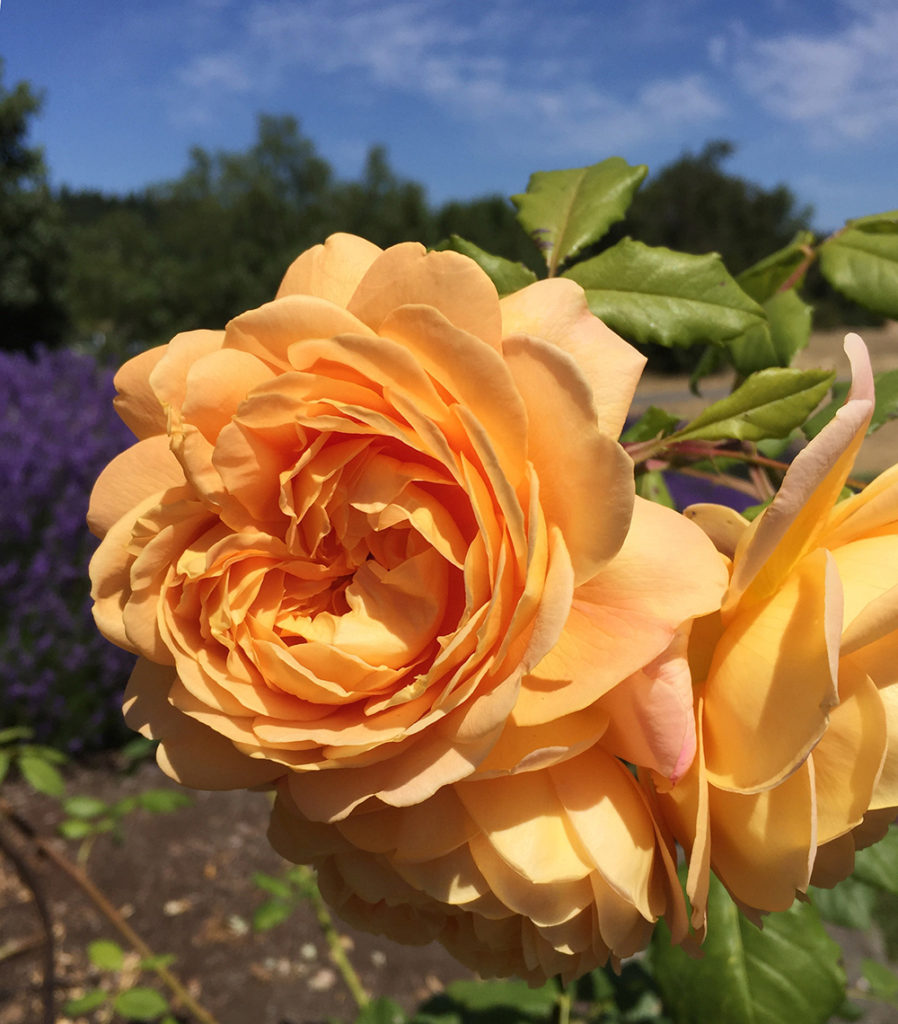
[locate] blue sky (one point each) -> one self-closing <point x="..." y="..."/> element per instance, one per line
<point x="470" y="96"/>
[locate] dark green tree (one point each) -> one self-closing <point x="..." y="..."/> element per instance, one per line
<point x="695" y="206"/>
<point x="32" y="249"/>
<point x="382" y="206"/>
<point x="195" y="251"/>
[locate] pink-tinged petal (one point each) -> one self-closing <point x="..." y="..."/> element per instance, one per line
<point x="556" y="311"/>
<point x="406" y="274"/>
<point x="169" y="378"/>
<point x="144" y="469"/>
<point x="270" y="331"/>
<point x="666" y="573"/>
<point x="190" y="753"/>
<point x="588" y="463"/>
<point x="773" y="680"/>
<point x="848" y="759"/>
<point x="652" y="721"/>
<point x="330" y="271"/>
<point x="136" y="402"/>
<point x="763" y="844"/>
<point x="792" y="523"/>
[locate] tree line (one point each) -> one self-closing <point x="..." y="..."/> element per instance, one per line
<point x="122" y="272"/>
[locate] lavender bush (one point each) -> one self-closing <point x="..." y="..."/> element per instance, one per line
<point x="56" y="433"/>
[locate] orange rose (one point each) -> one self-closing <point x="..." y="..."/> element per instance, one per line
<point x="795" y="679"/>
<point x="378" y="538"/>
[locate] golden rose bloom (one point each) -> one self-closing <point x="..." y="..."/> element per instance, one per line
<point x="550" y="857"/>
<point x="378" y="537"/>
<point x="797" y="707"/>
<point x="536" y="874"/>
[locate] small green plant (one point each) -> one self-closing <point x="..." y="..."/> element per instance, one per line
<point x="38" y="764"/>
<point x="285" y="894"/>
<point x="129" y="1001"/>
<point x="88" y="817"/>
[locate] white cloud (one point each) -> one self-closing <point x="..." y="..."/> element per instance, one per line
<point x="503" y="69"/>
<point x="842" y="85"/>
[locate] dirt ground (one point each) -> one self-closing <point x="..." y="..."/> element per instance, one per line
<point x="184" y="879"/>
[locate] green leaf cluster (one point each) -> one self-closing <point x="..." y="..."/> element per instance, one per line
<point x="789" y="970"/>
<point x="88" y="816"/>
<point x="38" y="764"/>
<point x="131" y="1003"/>
<point x="285" y="894"/>
<point x="754" y="323"/>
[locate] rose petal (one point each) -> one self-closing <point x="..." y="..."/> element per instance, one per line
<point x="556" y="311"/>
<point x="793" y="521"/>
<point x="406" y="274"/>
<point x="136" y="402"/>
<point x="560" y="404"/>
<point x="145" y="469"/>
<point x="763" y="844"/>
<point x="190" y="753"/>
<point x="848" y="758"/>
<point x="773" y="680"/>
<point x="331" y="271"/>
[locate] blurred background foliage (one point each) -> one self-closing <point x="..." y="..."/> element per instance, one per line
<point x="116" y="273"/>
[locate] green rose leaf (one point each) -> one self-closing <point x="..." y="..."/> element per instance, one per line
<point x="850" y="904"/>
<point x="506" y="275"/>
<point x="652" y="486"/>
<point x="498" y="999"/>
<point x="141" y="1004"/>
<point x="381" y="1011"/>
<point x="41" y="775"/>
<point x="885" y="386"/>
<point x="653" y="294"/>
<point x="876" y="222"/>
<point x="270" y="914"/>
<point x="762" y="280"/>
<point x="787" y="971"/>
<point x="76" y="828"/>
<point x="15" y="732"/>
<point x="862" y="262"/>
<point x="84" y="1004"/>
<point x="654" y="422"/>
<point x="776" y="342"/>
<point x="564" y="211"/>
<point x="84" y="806"/>
<point x="162" y="801"/>
<point x="278" y="887"/>
<point x="771" y="403"/>
<point x="883" y="982"/>
<point x="106" y="955"/>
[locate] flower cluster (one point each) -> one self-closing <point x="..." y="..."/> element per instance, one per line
<point x="378" y="547"/>
<point x="794" y="678"/>
<point x="59" y="676"/>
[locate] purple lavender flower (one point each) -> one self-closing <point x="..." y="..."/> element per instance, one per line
<point x="57" y="431"/>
